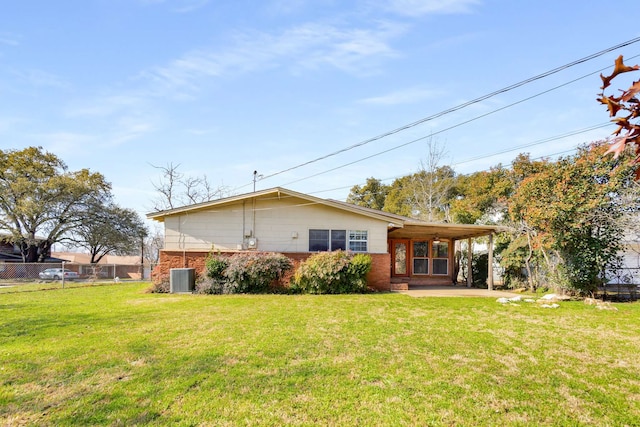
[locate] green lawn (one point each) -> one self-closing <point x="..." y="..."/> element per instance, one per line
<point x="114" y="355"/>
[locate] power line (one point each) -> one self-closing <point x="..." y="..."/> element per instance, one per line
<point x="541" y="141"/>
<point x="446" y="129"/>
<point x="531" y="144"/>
<point x="456" y="108"/>
<point x="546" y="156"/>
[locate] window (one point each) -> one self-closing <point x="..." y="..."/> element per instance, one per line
<point x="318" y="240"/>
<point x="358" y="241"/>
<point x="421" y="257"/>
<point x="333" y="240"/>
<point x="338" y="240"/>
<point x="440" y="252"/>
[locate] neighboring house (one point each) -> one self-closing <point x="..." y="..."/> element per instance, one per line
<point x="10" y="252"/>
<point x="404" y="251"/>
<point x="630" y="268"/>
<point x="109" y="267"/>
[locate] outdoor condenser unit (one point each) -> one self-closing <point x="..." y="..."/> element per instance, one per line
<point x="182" y="280"/>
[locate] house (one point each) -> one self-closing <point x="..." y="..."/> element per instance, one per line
<point x="629" y="270"/>
<point x="10" y="252"/>
<point x="109" y="267"/>
<point x="404" y="251"/>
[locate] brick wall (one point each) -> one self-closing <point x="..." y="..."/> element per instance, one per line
<point x="378" y="278"/>
<point x="380" y="275"/>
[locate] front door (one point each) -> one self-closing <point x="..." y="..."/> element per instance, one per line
<point x="399" y="258"/>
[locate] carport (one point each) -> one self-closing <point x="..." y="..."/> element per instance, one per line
<point x="423" y="253"/>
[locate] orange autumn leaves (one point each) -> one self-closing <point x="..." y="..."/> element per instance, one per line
<point x="627" y="104"/>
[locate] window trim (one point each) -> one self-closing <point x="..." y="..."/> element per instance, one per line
<point x="427" y="258"/>
<point x="434" y="258"/>
<point x="358" y="233"/>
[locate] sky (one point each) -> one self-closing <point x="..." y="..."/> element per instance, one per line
<point x="225" y="88"/>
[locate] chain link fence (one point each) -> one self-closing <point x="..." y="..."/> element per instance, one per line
<point x="30" y="272"/>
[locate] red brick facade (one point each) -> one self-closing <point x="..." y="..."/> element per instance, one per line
<point x="379" y="277"/>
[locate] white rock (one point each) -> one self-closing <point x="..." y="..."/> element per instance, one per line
<point x="550" y="305"/>
<point x="516" y="298"/>
<point x="529" y="300"/>
<point x="549" y="297"/>
<point x="503" y="300"/>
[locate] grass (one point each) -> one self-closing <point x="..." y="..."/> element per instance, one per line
<point x="114" y="355"/>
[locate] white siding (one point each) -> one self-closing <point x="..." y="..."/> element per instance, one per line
<point x="277" y="222"/>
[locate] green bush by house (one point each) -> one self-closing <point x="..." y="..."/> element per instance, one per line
<point x="247" y="272"/>
<point x="336" y="272"/>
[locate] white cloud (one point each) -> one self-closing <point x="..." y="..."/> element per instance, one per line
<point x="179" y="6"/>
<point x="425" y="7"/>
<point x="6" y="123"/>
<point x="190" y="6"/>
<point x="107" y="106"/>
<point x="307" y="46"/>
<point x="406" y="96"/>
<point x="9" y="39"/>
<point x="129" y="129"/>
<point x="41" y="78"/>
<point x="64" y="144"/>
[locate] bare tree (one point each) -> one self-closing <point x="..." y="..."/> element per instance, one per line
<point x="167" y="187"/>
<point x="176" y="189"/>
<point x="433" y="186"/>
<point x="153" y="243"/>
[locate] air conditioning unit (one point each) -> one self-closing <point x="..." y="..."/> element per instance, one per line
<point x="182" y="280"/>
<point x="252" y="243"/>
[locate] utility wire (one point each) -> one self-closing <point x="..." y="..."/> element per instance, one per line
<point x="445" y="129"/>
<point x="486" y="156"/>
<point x="541" y="141"/>
<point x="546" y="156"/>
<point x="456" y="108"/>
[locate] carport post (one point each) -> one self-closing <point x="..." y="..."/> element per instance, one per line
<point x="490" y="263"/>
<point x="469" y="260"/>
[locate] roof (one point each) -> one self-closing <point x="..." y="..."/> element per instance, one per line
<point x="85" y="258"/>
<point x="395" y="222"/>
<point x="373" y="213"/>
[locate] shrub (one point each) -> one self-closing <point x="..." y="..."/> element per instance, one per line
<point x="335" y="272"/>
<point x="245" y="272"/>
<point x="215" y="266"/>
<point x="214" y="280"/>
<point x="161" y="285"/>
<point x="251" y="272"/>
<point x="479" y="270"/>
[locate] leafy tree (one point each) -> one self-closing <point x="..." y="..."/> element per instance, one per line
<point x="481" y="194"/>
<point x="109" y="229"/>
<point x="573" y="207"/>
<point x="371" y="195"/>
<point x="398" y="200"/>
<point x="41" y="201"/>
